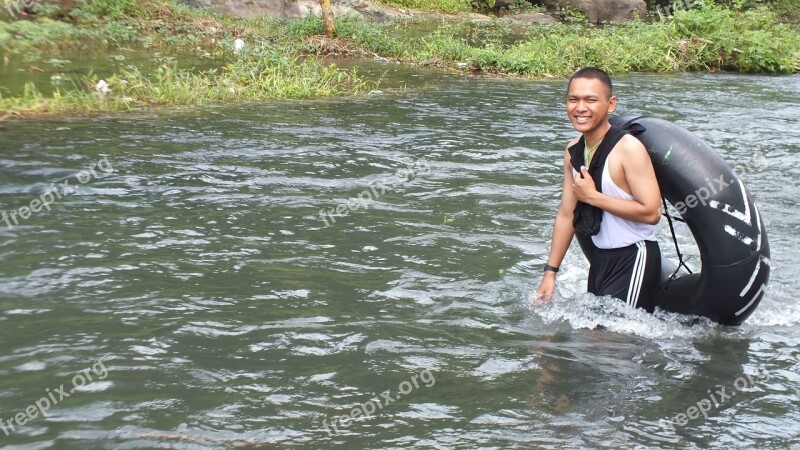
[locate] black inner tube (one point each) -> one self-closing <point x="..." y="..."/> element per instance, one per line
<point x="722" y="217"/>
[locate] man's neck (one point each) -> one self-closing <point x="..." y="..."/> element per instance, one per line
<point x="593" y="137"/>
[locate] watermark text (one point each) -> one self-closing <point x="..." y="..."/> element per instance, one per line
<point x="379" y="188"/>
<point x="15" y="7"/>
<point x="377" y="403"/>
<point x="715" y="399"/>
<point x="57" y="192"/>
<point x="666" y="11"/>
<point x="53" y="397"/>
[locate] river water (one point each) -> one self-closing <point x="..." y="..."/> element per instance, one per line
<point x="193" y="291"/>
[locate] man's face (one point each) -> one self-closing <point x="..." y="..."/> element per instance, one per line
<point x="588" y="104"/>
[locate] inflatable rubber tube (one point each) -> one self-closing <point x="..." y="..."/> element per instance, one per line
<point x="721" y="216"/>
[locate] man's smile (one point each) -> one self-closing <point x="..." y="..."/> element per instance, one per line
<point x="582" y="119"/>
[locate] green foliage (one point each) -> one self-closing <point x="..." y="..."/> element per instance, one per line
<point x="572" y="15"/>
<point x="710" y="38"/>
<point x="114" y="9"/>
<point x="483" y="5"/>
<point x="527" y="6"/>
<point x="748" y="41"/>
<point x="559" y="50"/>
<point x="268" y="76"/>
<point x="787" y="10"/>
<point x="370" y="36"/>
<point x="43" y="8"/>
<point x="300" y="28"/>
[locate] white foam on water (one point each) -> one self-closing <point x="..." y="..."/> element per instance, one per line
<point x="777" y="308"/>
<point x="588" y="311"/>
<point x="583" y="310"/>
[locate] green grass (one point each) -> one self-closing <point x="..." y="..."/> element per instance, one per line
<point x="267" y="75"/>
<point x="750" y="41"/>
<point x="450" y="6"/>
<point x="712" y="38"/>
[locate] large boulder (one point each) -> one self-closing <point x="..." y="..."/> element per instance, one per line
<point x="604" y="10"/>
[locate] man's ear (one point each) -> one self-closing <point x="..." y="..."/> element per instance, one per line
<point x="612" y="104"/>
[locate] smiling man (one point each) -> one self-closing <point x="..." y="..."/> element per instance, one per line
<point x="610" y="200"/>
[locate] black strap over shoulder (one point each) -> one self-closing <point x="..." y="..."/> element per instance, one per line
<point x="587" y="218"/>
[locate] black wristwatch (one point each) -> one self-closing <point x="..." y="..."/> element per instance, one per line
<point x="549" y="268"/>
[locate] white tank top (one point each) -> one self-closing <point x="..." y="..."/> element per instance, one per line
<point x="616" y="232"/>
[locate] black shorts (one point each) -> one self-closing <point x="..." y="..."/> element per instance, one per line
<point x="631" y="273"/>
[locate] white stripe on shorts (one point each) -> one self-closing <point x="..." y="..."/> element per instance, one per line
<point x="637" y="276"/>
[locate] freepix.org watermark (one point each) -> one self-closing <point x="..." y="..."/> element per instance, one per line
<point x="377" y="403"/>
<point x="53" y="397"/>
<point x="15" y="7"/>
<point x="57" y="192"/>
<point x="666" y="11"/>
<point x="715" y="399"/>
<point x="369" y="195"/>
<point x="702" y="194"/>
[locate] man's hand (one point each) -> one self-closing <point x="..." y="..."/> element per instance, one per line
<point x="584" y="187"/>
<point x="546" y="288"/>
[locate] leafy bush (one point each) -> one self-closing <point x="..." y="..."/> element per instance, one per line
<point x="751" y="41"/>
<point x="785" y="9"/>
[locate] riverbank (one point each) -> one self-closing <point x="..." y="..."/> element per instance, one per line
<point x="283" y="58"/>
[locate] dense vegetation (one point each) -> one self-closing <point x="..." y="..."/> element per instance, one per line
<point x="788" y="9"/>
<point x="745" y="36"/>
<point x="712" y="38"/>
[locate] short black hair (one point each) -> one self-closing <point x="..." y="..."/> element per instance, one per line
<point x="594" y="73"/>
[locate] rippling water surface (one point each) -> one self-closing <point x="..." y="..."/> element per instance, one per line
<point x="202" y="296"/>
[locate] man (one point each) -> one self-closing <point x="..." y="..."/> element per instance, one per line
<point x="610" y="200"/>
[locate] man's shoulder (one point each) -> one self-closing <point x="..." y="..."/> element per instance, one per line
<point x="630" y="146"/>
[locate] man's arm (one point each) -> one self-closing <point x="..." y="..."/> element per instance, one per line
<point x="563" y="232"/>
<point x="641" y="179"/>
